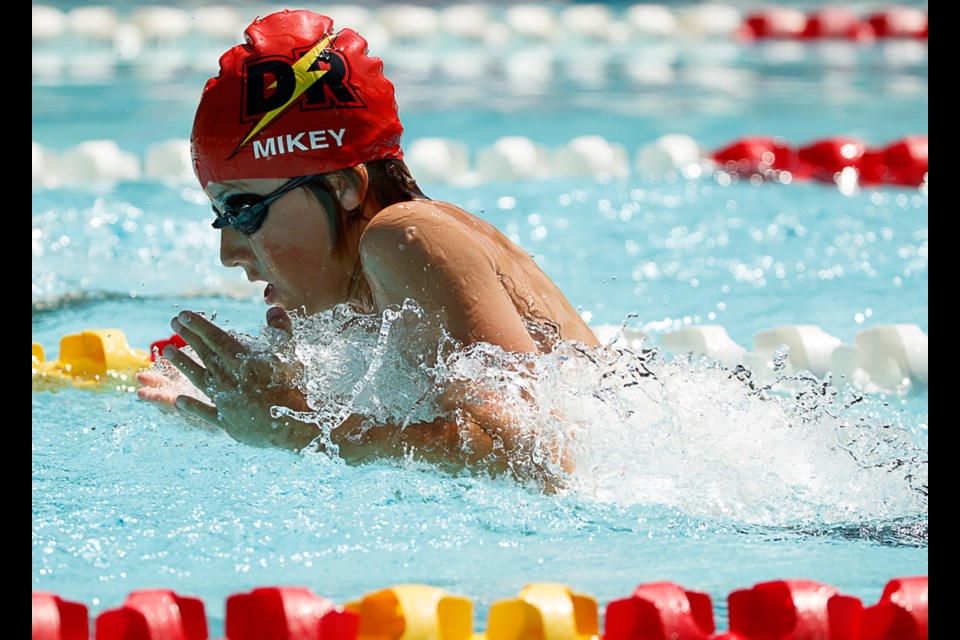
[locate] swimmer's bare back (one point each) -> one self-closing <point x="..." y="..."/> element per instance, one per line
<point x="486" y="288"/>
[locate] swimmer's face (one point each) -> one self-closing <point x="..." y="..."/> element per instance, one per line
<point x="292" y="250"/>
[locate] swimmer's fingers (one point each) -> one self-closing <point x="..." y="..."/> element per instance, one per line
<point x="207" y="337"/>
<point x="165" y="400"/>
<point x="194" y="340"/>
<point x="151" y="379"/>
<point x="188" y="367"/>
<point x="197" y="409"/>
<point x="220" y="365"/>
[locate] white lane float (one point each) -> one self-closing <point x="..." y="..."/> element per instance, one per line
<point x="168" y="160"/>
<point x="93" y="22"/>
<point x="513" y="157"/>
<point x="707" y="341"/>
<point x="671" y="153"/>
<point x="48" y="22"/>
<point x="591" y="156"/>
<point x="652" y="20"/>
<point x="94" y="160"/>
<point x="440" y="160"/>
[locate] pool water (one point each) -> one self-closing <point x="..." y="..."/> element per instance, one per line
<point x="687" y="474"/>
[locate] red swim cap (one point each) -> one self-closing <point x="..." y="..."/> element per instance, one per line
<point x="296" y="99"/>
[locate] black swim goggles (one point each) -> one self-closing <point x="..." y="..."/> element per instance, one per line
<point x="246" y="212"/>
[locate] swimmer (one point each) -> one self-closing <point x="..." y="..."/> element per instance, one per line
<point x="296" y="142"/>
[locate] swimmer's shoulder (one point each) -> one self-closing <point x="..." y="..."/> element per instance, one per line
<point x="430" y="214"/>
<point x="424" y="224"/>
<point x="425" y="250"/>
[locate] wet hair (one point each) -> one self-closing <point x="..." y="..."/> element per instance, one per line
<point x="389" y="182"/>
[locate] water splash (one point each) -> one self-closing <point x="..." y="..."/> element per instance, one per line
<point x="697" y="437"/>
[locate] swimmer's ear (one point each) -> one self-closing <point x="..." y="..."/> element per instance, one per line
<point x="350" y="186"/>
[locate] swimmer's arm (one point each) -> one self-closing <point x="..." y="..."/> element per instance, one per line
<point x="442" y="442"/>
<point x="445" y="269"/>
<point x="449" y="271"/>
<point x="247" y="390"/>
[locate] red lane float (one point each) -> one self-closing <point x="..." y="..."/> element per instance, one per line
<point x="837" y="22"/>
<point x="773" y="22"/>
<point x="154" y="614"/>
<point x="901" y="613"/>
<point x="58" y="619"/>
<point x="822" y="160"/>
<point x="660" y="611"/>
<point x="791" y="609"/>
<point x="904" y="162"/>
<point x="287" y="613"/>
<point x="899" y="22"/>
<point x="756" y="155"/>
<point x="901" y="163"/>
<point x="156" y="348"/>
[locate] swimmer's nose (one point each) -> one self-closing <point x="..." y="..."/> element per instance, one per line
<point x="234" y="251"/>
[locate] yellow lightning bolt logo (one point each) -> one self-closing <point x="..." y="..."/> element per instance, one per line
<point x="304" y="79"/>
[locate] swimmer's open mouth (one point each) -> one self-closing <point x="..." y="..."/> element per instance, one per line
<point x="268" y="293"/>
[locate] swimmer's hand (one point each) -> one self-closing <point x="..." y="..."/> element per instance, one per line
<point x="243" y="386"/>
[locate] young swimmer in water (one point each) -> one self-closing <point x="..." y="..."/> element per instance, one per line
<point x="297" y="144"/>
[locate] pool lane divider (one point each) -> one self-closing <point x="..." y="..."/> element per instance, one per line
<point x="889" y="358"/>
<point x="774" y="610"/>
<point x="144" y="29"/>
<point x="841" y="160"/>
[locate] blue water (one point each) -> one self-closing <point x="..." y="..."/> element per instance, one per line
<point x="697" y="480"/>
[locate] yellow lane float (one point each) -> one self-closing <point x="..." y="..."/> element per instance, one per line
<point x="96" y="357"/>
